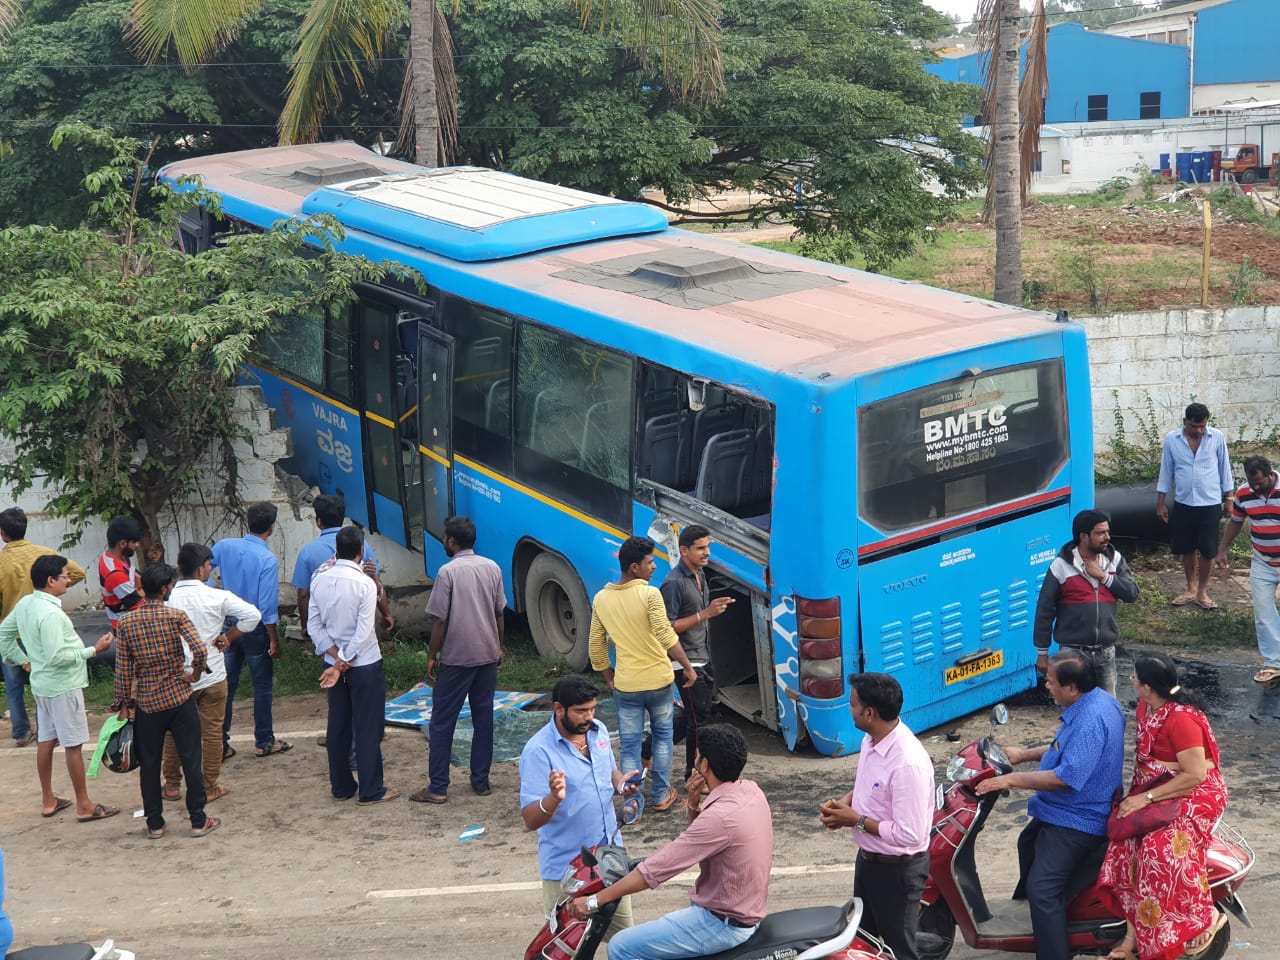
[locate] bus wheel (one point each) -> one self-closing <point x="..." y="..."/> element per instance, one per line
<point x="559" y="612"/>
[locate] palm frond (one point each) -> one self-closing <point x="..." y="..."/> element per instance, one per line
<point x="1032" y="90"/>
<point x="446" y="90"/>
<point x="195" y="29"/>
<point x="337" y="39"/>
<point x="683" y="35"/>
<point x="8" y="18"/>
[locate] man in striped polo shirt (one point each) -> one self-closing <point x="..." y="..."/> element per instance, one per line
<point x="1258" y="501"/>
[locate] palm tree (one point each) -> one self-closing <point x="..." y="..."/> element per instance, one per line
<point x="340" y="39"/>
<point x="1015" y="115"/>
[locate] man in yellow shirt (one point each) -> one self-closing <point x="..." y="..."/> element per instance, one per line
<point x="632" y="616"/>
<point x="15" y="583"/>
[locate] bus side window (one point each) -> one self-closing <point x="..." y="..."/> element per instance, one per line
<point x="295" y="347"/>
<point x="481" y="381"/>
<point x="573" y="420"/>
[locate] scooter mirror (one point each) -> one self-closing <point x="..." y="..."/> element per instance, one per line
<point x="999" y="714"/>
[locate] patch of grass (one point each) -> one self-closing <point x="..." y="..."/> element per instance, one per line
<point x="1223" y="628"/>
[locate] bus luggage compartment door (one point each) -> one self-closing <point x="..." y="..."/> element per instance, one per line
<point x="952" y="620"/>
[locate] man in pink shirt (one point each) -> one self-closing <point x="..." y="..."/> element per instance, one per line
<point x="729" y="837"/>
<point x="890" y="810"/>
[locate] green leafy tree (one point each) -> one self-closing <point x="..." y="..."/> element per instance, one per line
<point x="118" y="352"/>
<point x="827" y="118"/>
<point x="341" y="42"/>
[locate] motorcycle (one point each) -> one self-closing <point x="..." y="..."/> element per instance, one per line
<point x="810" y="933"/>
<point x="72" y="951"/>
<point x="953" y="894"/>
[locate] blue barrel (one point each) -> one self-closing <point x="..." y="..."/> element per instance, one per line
<point x="1183" y="161"/>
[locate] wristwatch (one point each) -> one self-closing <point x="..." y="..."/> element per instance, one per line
<point x="1150" y="798"/>
<point x="861" y="826"/>
<point x="593" y="904"/>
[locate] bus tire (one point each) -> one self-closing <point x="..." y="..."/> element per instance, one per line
<point x="558" y="608"/>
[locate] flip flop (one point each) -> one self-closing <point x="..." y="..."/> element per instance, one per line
<point x="210" y="824"/>
<point x="666" y="802"/>
<point x="1201" y="941"/>
<point x="228" y="751"/>
<point x="176" y="795"/>
<point x="155" y="834"/>
<point x="387" y="794"/>
<point x="1207" y="605"/>
<point x="1265" y="675"/>
<point x="59" y="804"/>
<point x="426" y="796"/>
<point x="100" y="812"/>
<point x="217" y="793"/>
<point x="276" y="746"/>
<point x="1183" y="600"/>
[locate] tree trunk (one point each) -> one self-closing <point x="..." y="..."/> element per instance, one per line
<point x="426" y="113"/>
<point x="1006" y="164"/>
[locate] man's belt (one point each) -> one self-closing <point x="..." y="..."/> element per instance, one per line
<point x="731" y="921"/>
<point x="890" y="858"/>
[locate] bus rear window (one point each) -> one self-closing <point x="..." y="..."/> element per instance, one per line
<point x="964" y="445"/>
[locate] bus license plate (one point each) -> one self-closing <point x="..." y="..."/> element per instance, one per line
<point x="990" y="662"/>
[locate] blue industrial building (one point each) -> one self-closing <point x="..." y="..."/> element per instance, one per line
<point x="1100" y="77"/>
<point x="1234" y="44"/>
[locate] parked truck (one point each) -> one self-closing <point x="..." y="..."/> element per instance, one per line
<point x="1249" y="166"/>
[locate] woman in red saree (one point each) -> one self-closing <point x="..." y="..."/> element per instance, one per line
<point x="1159" y="879"/>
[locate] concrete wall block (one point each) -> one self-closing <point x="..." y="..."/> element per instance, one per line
<point x="1260" y="341"/>
<point x="1100" y="328"/>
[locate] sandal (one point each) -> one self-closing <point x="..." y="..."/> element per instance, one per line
<point x="387" y="794"/>
<point x="59" y="804"/>
<point x="210" y="824"/>
<point x="1201" y="941"/>
<point x="155" y="834"/>
<point x="175" y="795"/>
<point x="100" y="812"/>
<point x="228" y="751"/>
<point x="275" y="746"/>
<point x="1126" y="949"/>
<point x="1267" y="675"/>
<point x="426" y="796"/>
<point x="666" y="802"/>
<point x="217" y="793"/>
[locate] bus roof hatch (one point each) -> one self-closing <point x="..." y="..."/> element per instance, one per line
<point x="472" y="214"/>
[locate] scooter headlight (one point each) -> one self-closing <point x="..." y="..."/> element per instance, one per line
<point x="960" y="772"/>
<point x="570" y="883"/>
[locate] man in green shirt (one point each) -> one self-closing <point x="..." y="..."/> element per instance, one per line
<point x="58" y="663"/>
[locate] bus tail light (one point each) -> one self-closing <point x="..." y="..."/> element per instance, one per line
<point x="821" y="660"/>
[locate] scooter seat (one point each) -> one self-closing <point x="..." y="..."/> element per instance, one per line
<point x="65" y="951"/>
<point x="798" y="929"/>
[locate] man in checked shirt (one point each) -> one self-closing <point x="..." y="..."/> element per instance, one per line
<point x="151" y="675"/>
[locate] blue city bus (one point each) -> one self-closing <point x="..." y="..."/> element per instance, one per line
<point x="887" y="469"/>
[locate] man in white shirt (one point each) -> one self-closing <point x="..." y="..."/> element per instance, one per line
<point x="210" y="610"/>
<point x="340" y="620"/>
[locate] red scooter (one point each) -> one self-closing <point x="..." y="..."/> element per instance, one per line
<point x="953" y="894"/>
<point x="811" y="933"/>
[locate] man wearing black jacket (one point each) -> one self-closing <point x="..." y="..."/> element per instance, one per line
<point x="1077" y="605"/>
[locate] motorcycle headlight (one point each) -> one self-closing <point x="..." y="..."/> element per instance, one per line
<point x="960" y="772"/>
<point x="569" y="883"/>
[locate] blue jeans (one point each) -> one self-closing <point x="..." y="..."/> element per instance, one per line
<point x="1263" y="579"/>
<point x="253" y="647"/>
<point x="660" y="706"/>
<point x="691" y="932"/>
<point x="14" y="680"/>
<point x="475" y="685"/>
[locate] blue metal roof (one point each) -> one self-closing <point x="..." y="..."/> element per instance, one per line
<point x="472" y="214"/>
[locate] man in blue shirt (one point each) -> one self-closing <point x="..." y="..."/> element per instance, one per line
<point x="568" y="780"/>
<point x="330" y="511"/>
<point x="1196" y="469"/>
<point x="250" y="570"/>
<point x="1060" y="850"/>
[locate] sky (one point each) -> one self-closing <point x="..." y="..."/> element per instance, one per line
<point x="963" y="7"/>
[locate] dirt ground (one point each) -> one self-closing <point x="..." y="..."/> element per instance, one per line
<point x="293" y="874"/>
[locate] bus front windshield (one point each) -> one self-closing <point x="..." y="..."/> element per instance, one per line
<point x="960" y="446"/>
